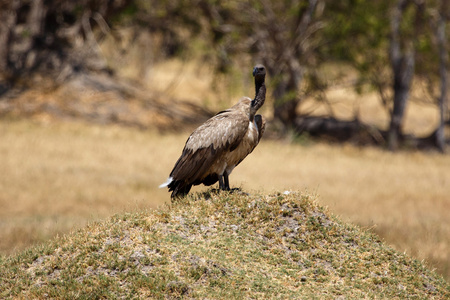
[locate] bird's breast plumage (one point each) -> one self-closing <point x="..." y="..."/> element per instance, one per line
<point x="245" y="147"/>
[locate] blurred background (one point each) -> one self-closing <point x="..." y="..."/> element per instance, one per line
<point x="97" y="98"/>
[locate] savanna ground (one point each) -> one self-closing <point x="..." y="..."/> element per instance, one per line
<point x="59" y="175"/>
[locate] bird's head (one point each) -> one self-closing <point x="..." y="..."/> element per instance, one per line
<point x="259" y="71"/>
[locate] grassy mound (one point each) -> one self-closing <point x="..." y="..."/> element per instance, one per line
<point x="220" y="246"/>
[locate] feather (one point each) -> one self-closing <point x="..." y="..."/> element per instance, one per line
<point x="169" y="180"/>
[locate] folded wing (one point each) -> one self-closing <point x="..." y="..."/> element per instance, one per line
<point x="202" y="153"/>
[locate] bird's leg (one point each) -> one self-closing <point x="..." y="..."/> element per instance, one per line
<point x="227" y="182"/>
<point x="221" y="185"/>
<point x="224" y="184"/>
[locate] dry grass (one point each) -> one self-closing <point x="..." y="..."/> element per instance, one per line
<point x="58" y="176"/>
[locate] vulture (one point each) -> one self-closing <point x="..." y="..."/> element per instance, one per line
<point x="215" y="148"/>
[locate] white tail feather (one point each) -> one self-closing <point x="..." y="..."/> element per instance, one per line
<point x="169" y="180"/>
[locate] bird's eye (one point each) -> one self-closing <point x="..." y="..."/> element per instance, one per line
<point x="261" y="69"/>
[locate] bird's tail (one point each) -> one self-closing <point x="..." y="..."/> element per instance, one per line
<point x="169" y="181"/>
<point x="178" y="188"/>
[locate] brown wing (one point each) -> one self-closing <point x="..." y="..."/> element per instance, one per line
<point x="207" y="143"/>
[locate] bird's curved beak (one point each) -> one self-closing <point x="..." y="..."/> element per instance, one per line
<point x="254" y="71"/>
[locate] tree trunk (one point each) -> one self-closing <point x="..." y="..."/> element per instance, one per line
<point x="286" y="101"/>
<point x="8" y="18"/>
<point x="403" y="74"/>
<point x="286" y="113"/>
<point x="402" y="63"/>
<point x="35" y="24"/>
<point x="443" y="59"/>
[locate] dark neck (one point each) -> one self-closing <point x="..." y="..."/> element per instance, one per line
<point x="258" y="83"/>
<point x="260" y="94"/>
